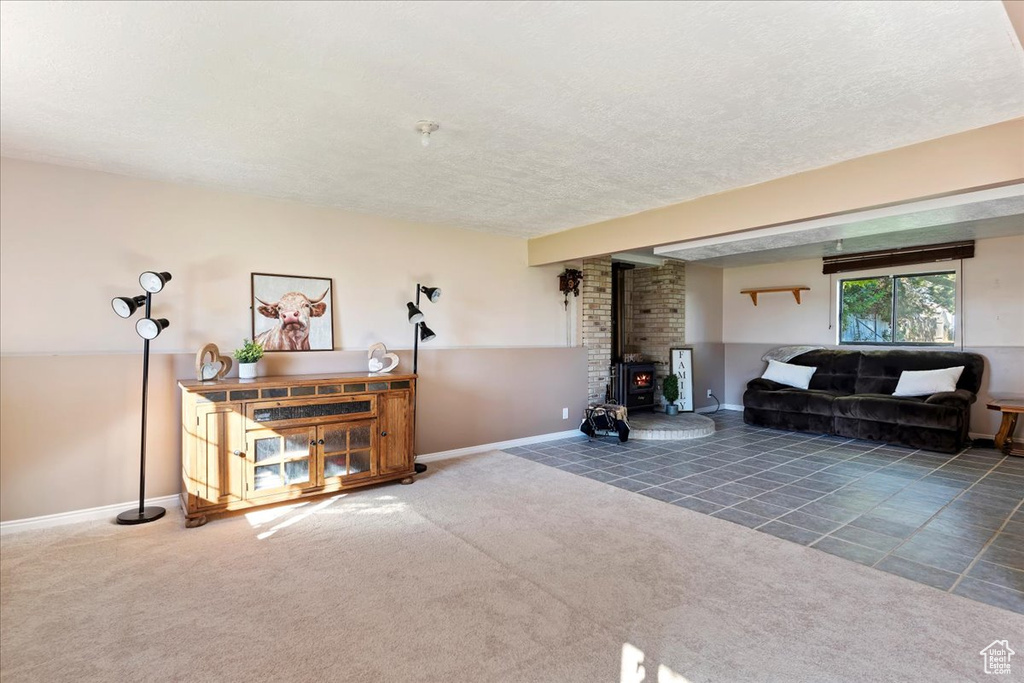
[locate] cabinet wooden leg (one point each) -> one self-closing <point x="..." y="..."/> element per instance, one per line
<point x="408" y="480"/>
<point x="193" y="522"/>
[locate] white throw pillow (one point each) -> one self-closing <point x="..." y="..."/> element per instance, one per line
<point x="927" y="382"/>
<point x="798" y="376"/>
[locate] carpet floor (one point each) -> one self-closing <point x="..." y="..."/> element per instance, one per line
<point x="488" y="568"/>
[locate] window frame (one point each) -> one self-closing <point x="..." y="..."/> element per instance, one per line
<point x="894" y="274"/>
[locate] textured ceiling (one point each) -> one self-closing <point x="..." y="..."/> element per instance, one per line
<point x="996" y="212"/>
<point x="552" y="115"/>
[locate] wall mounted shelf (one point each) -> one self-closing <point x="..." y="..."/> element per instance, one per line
<point x="796" y="289"/>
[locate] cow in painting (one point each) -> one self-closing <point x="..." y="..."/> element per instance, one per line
<point x="292" y="312"/>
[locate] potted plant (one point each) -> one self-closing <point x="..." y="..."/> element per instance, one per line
<point x="670" y="390"/>
<point x="247" y="357"/>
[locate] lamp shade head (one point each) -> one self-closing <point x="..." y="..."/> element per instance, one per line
<point x="426" y="334"/>
<point x="125" y="306"/>
<point x="150" y="328"/>
<point x="153" y="282"/>
<point x="415" y="314"/>
<point x="433" y="293"/>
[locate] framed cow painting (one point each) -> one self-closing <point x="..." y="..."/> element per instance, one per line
<point x="292" y="312"/>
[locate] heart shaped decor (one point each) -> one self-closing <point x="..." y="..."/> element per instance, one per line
<point x="210" y="365"/>
<point x="376" y="362"/>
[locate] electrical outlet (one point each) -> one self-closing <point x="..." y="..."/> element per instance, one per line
<point x="565" y="413"/>
<point x="709" y="393"/>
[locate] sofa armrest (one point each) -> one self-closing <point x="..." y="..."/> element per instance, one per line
<point x="765" y="384"/>
<point x="958" y="398"/>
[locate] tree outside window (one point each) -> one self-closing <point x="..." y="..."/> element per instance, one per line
<point x="898" y="309"/>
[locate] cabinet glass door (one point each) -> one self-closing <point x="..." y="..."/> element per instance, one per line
<point x="346" y="449"/>
<point x="280" y="460"/>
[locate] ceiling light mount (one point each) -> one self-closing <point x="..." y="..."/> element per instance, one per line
<point x="425" y="128"/>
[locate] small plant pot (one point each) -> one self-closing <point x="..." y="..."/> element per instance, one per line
<point x="671" y="409"/>
<point x="247" y="370"/>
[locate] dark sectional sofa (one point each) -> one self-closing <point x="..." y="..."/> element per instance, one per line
<point x="850" y="395"/>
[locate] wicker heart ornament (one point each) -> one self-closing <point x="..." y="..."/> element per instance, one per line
<point x="210" y="365"/>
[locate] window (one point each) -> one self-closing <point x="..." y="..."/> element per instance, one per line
<point x="898" y="310"/>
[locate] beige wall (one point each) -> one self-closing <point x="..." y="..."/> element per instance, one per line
<point x="991" y="316"/>
<point x="704" y="332"/>
<point x="102" y="230"/>
<point x="703" y="303"/>
<point x="948" y="165"/>
<point x="72" y="239"/>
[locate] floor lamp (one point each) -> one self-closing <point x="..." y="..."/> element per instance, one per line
<point x="148" y="328"/>
<point x="421" y="333"/>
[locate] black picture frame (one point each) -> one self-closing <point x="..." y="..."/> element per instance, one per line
<point x="312" y="325"/>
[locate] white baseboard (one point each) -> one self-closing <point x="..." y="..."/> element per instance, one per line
<point x="975" y="435"/>
<point x="498" y="445"/>
<point x="87" y="515"/>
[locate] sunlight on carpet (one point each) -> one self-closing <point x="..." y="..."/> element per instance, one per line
<point x="635" y="671"/>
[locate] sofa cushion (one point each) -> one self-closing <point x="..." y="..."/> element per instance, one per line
<point x="837" y="370"/>
<point x="942" y="440"/>
<point x="764" y="384"/>
<point x="880" y="371"/>
<point x="791" y="400"/>
<point x="803" y="422"/>
<point x="912" y="412"/>
<point x="961" y="398"/>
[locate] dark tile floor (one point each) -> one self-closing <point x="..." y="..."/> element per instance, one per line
<point x="954" y="522"/>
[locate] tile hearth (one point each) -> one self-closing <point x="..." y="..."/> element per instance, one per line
<point x="954" y="522"/>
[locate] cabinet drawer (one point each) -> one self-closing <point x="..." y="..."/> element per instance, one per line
<point x="283" y="413"/>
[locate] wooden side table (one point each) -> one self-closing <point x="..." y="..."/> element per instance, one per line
<point x="1011" y="408"/>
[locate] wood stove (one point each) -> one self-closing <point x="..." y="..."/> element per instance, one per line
<point x="634" y="385"/>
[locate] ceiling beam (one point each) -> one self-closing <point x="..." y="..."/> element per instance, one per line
<point x="1015" y="10"/>
<point x="985" y="157"/>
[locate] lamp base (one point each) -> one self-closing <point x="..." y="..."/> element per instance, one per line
<point x="148" y="514"/>
<point x="420" y="468"/>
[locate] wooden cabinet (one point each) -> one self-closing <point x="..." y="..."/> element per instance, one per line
<point x="247" y="443"/>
